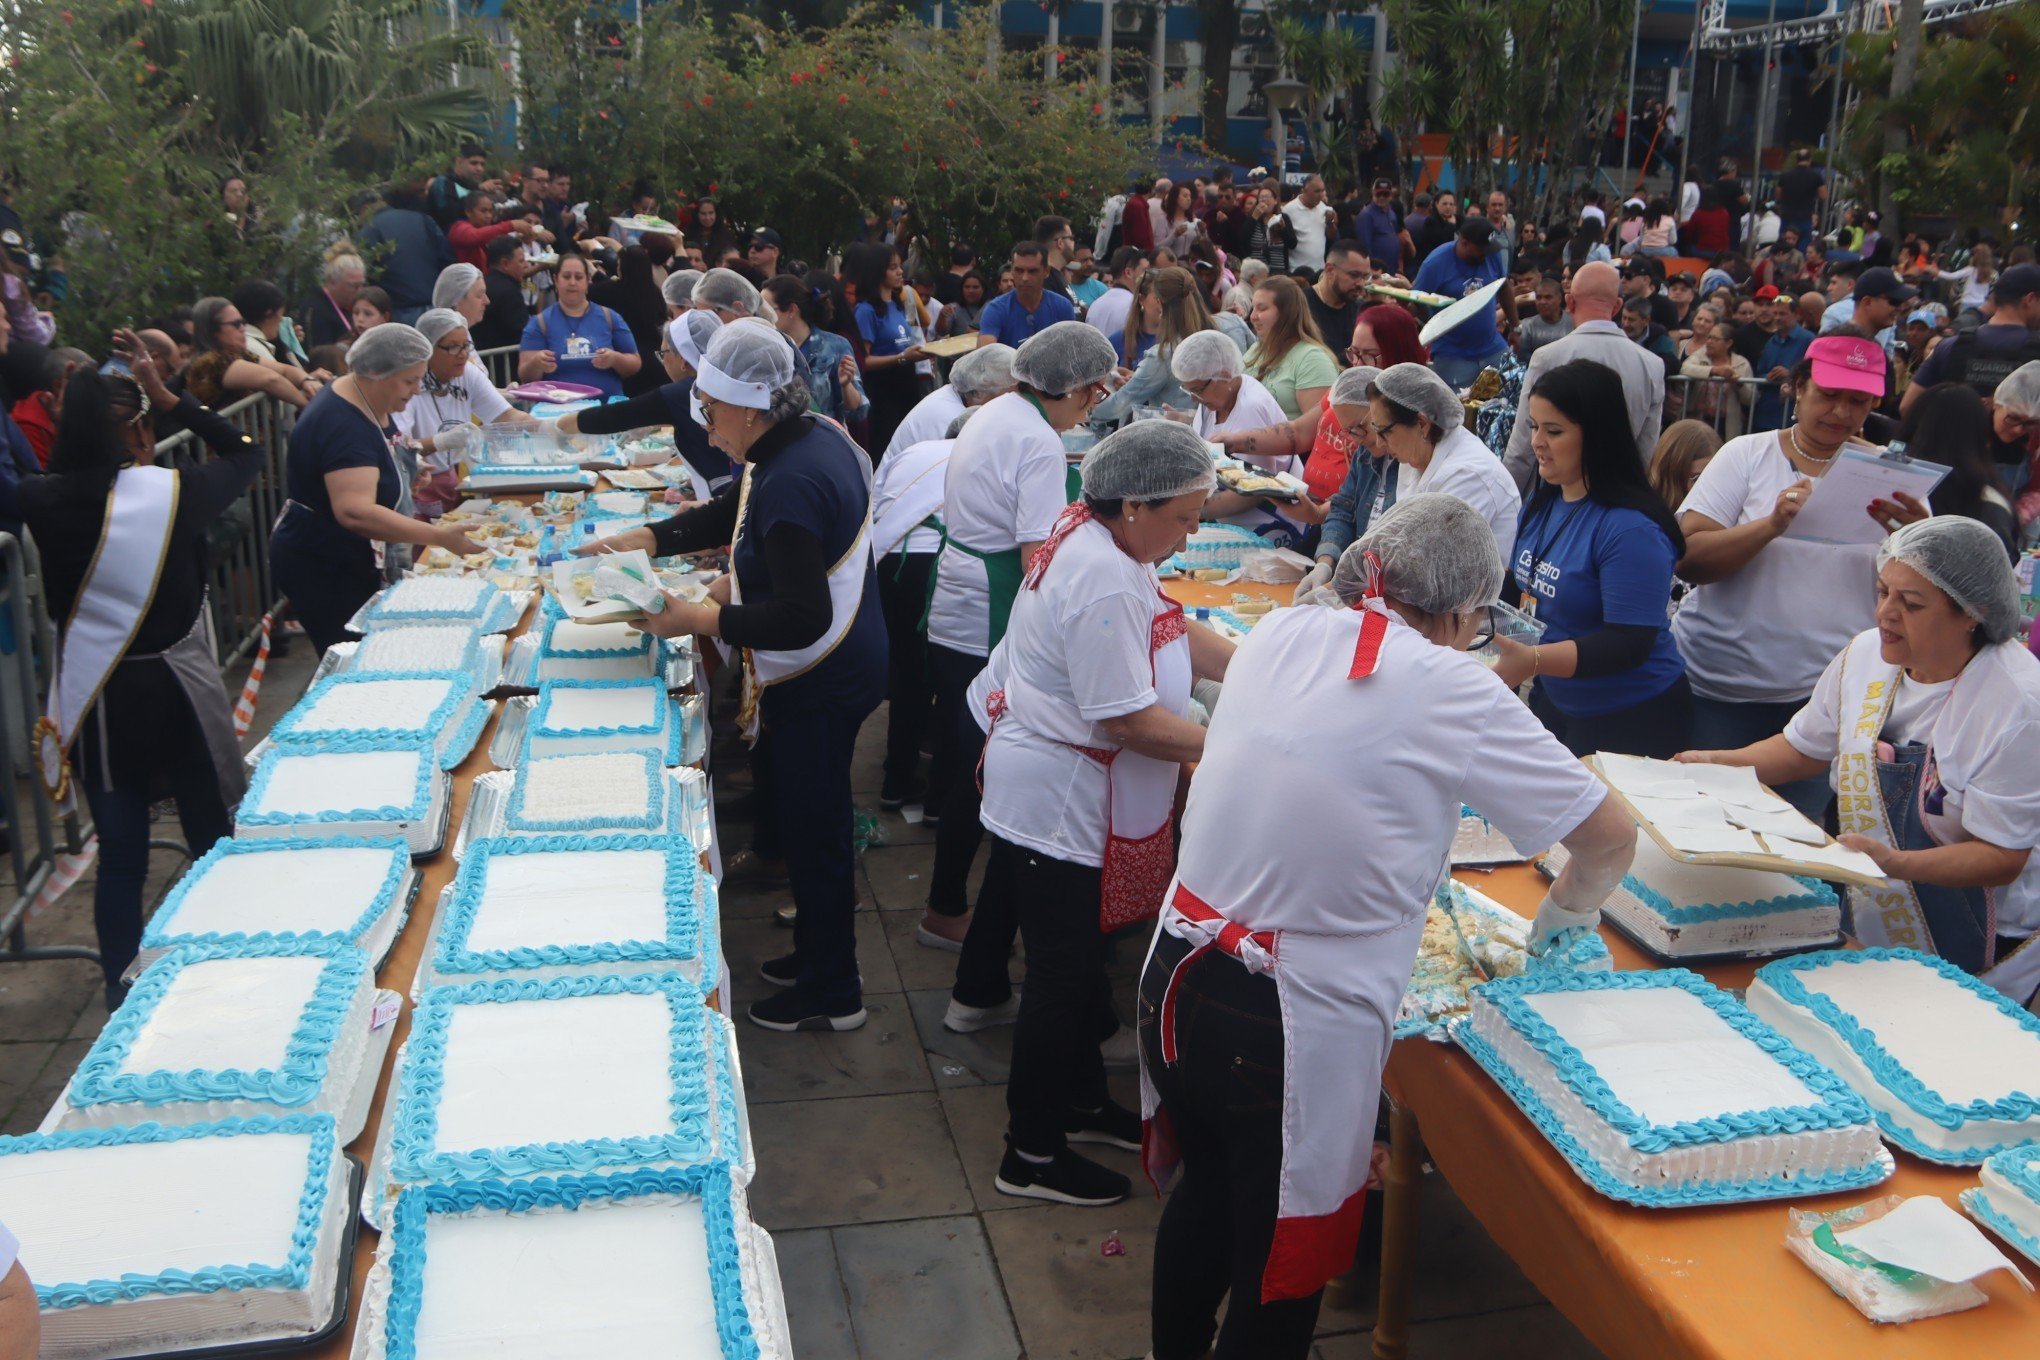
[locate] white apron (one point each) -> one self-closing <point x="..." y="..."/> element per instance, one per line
<point x="119" y="586"/>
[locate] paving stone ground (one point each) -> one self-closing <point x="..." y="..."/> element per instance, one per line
<point x="876" y="1150"/>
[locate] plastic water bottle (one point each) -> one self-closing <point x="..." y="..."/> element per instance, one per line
<point x="547" y="552"/>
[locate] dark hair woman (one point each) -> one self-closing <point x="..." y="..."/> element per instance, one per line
<point x="712" y="233"/>
<point x="1593" y="559"/>
<point x="161" y="718"/>
<point x="803" y="318"/>
<point x="1949" y="425"/>
<point x="886" y="311"/>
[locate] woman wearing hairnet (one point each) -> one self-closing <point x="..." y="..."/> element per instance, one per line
<point x="1422" y="424"/>
<point x="970" y="384"/>
<point x="1366" y="490"/>
<point x="686" y="336"/>
<point x="1088" y="695"/>
<point x="2015" y="430"/>
<point x="1942" y="788"/>
<point x="345" y="482"/>
<point x="454" y="397"/>
<point x="1212" y="370"/>
<point x="801" y="606"/>
<point x="1269" y="997"/>
<point x="1007" y="481"/>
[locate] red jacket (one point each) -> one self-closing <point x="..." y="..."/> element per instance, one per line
<point x="33" y="416"/>
<point x="468" y="241"/>
<point x="1136" y="227"/>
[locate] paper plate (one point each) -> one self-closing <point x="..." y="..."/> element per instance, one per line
<point x="552" y="391"/>
<point x="1468" y="307"/>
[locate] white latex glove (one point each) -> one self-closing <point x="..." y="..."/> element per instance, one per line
<point x="1552" y="919"/>
<point x="1207" y="693"/>
<point x="1319" y="575"/>
<point x="455" y="440"/>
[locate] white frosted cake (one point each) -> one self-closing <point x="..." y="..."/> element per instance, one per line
<point x="232" y="1032"/>
<point x="543" y="907"/>
<point x="290" y="890"/>
<point x="601" y="792"/>
<point x="1950" y="1067"/>
<point x="413" y="647"/>
<point x="503" y="1079"/>
<point x="148" y="1238"/>
<point x="1662" y="1090"/>
<point x="650" y="1263"/>
<point x="593" y="651"/>
<point x="2008" y="1201"/>
<point x="1478" y="841"/>
<point x="435" y="599"/>
<point x="388" y="790"/>
<point x="355" y="710"/>
<point x="577" y="716"/>
<point x="1678" y="910"/>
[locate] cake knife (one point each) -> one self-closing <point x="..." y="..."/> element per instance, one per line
<point x="1444" y="900"/>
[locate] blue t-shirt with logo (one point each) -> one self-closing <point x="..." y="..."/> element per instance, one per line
<point x="1586" y="565"/>
<point x="1444" y="272"/>
<point x="884" y="331"/>
<point x="1006" y="321"/>
<point x="575" y="340"/>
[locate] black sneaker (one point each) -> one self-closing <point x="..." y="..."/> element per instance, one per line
<point x="780" y="972"/>
<point x="892" y="797"/>
<point x="1069" y="1179"/>
<point x="793" y="1009"/>
<point x="1113" y="1125"/>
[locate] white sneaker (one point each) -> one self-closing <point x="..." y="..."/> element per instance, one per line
<point x="962" y="1019"/>
<point x="1122" y="1051"/>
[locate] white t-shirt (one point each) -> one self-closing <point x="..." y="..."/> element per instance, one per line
<point x="1108" y="314"/>
<point x="427" y="413"/>
<point x="1765" y="634"/>
<point x="930" y="419"/>
<point x="1462" y="466"/>
<point x="1005" y="488"/>
<point x="1371" y="772"/>
<point x="1984" y="728"/>
<point x="1254" y="409"/>
<point x="1076" y="653"/>
<point x="1308" y="251"/>
<point x="909" y="467"/>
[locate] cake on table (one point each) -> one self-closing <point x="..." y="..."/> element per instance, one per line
<point x="1679" y="910"/>
<point x="1664" y="1091"/>
<point x="1949" y="1066"/>
<point x="291" y="890"/>
<point x="582" y="1267"/>
<point x="213" y="1032"/>
<point x="2008" y="1201"/>
<point x="148" y="1238"/>
<point x="514" y="1078"/>
<point x="403" y="647"/>
<point x="436" y="599"/>
<point x="600" y="792"/>
<point x="577" y="716"/>
<point x="545" y="907"/>
<point x="383" y="789"/>
<point x="1479" y="841"/>
<point x="594" y="651"/>
<point x="354" y="710"/>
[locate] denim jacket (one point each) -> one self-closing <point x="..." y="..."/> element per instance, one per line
<point x="1353" y="502"/>
<point x="825" y="352"/>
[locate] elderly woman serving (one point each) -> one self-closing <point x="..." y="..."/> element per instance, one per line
<point x="1269" y="997"/>
<point x="1926" y="725"/>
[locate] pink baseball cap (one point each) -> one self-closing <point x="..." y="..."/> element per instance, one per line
<point x="1843" y="363"/>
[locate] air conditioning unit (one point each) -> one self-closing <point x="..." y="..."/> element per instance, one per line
<point x="1259" y="58"/>
<point x="1254" y="24"/>
<point x="1127" y="19"/>
<point x="1177" y="53"/>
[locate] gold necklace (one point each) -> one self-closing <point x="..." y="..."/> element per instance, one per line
<point x="1793" y="439"/>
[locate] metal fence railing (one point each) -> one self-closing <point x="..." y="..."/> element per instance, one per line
<point x="501" y="363"/>
<point x="1727" y="405"/>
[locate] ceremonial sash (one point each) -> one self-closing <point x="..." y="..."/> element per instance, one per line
<point x="1889" y="914"/>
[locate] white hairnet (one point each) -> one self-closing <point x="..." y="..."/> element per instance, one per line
<point x="453" y="284"/>
<point x="956" y="425"/>
<point x="689" y="334"/>
<point x="1966" y="559"/>
<point x="678" y="289"/>
<point x="1434" y="551"/>
<point x="386" y="349"/>
<point x="745" y="364"/>
<point x="439" y="323"/>
<point x="2019" y="393"/>
<point x="983" y="371"/>
<point x="1149" y="460"/>
<point x="727" y="289"/>
<point x="1354" y="386"/>
<point x="1416" y="388"/>
<point x="1204" y="355"/>
<point x="1063" y="358"/>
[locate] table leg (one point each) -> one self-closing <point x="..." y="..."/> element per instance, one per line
<point x="1402" y="1186"/>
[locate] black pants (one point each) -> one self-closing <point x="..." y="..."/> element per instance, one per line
<point x="804" y="784"/>
<point x="910" y="698"/>
<point x="1223" y="1098"/>
<point x="121" y="815"/>
<point x="953" y="783"/>
<point x="1065" y="1001"/>
<point x="1659" y="727"/>
<point x="894" y="391"/>
<point x="322" y="596"/>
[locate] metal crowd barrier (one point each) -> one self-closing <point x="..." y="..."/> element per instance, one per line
<point x="501" y="363"/>
<point x="1724" y="404"/>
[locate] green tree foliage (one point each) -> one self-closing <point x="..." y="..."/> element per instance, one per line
<point x="1333" y="63"/>
<point x="813" y="132"/>
<point x="1970" y="124"/>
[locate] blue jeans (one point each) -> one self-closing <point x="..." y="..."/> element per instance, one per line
<point x="1459" y="373"/>
<point x="805" y="783"/>
<point x="1722" y="725"/>
<point x="121" y="816"/>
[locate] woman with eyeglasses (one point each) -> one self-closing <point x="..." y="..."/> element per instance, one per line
<point x="225" y="368"/>
<point x="1384" y="335"/>
<point x="1214" y="374"/>
<point x="454" y="400"/>
<point x="1421" y="424"/>
<point x="161" y="718"/>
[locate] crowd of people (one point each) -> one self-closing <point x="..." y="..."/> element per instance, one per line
<point x="973" y="540"/>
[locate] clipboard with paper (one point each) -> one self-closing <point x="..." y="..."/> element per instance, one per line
<point x="1837" y="510"/>
<point x="1720" y="815"/>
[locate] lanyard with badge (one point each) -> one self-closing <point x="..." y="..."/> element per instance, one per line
<point x="1540" y="554"/>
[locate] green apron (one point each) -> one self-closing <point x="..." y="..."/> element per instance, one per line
<point x="1073" y="481"/>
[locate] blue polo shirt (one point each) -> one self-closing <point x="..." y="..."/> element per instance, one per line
<point x="1444" y="272"/>
<point x="1006" y="321"/>
<point x="1587" y="565"/>
<point x="574" y="341"/>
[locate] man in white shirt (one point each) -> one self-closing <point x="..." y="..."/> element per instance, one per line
<point x="1596" y="297"/>
<point x="1108" y="313"/>
<point x="1315" y="224"/>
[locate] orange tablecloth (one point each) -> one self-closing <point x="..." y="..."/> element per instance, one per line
<point x="1668" y="1282"/>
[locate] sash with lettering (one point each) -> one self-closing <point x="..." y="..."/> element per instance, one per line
<point x="119" y="586"/>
